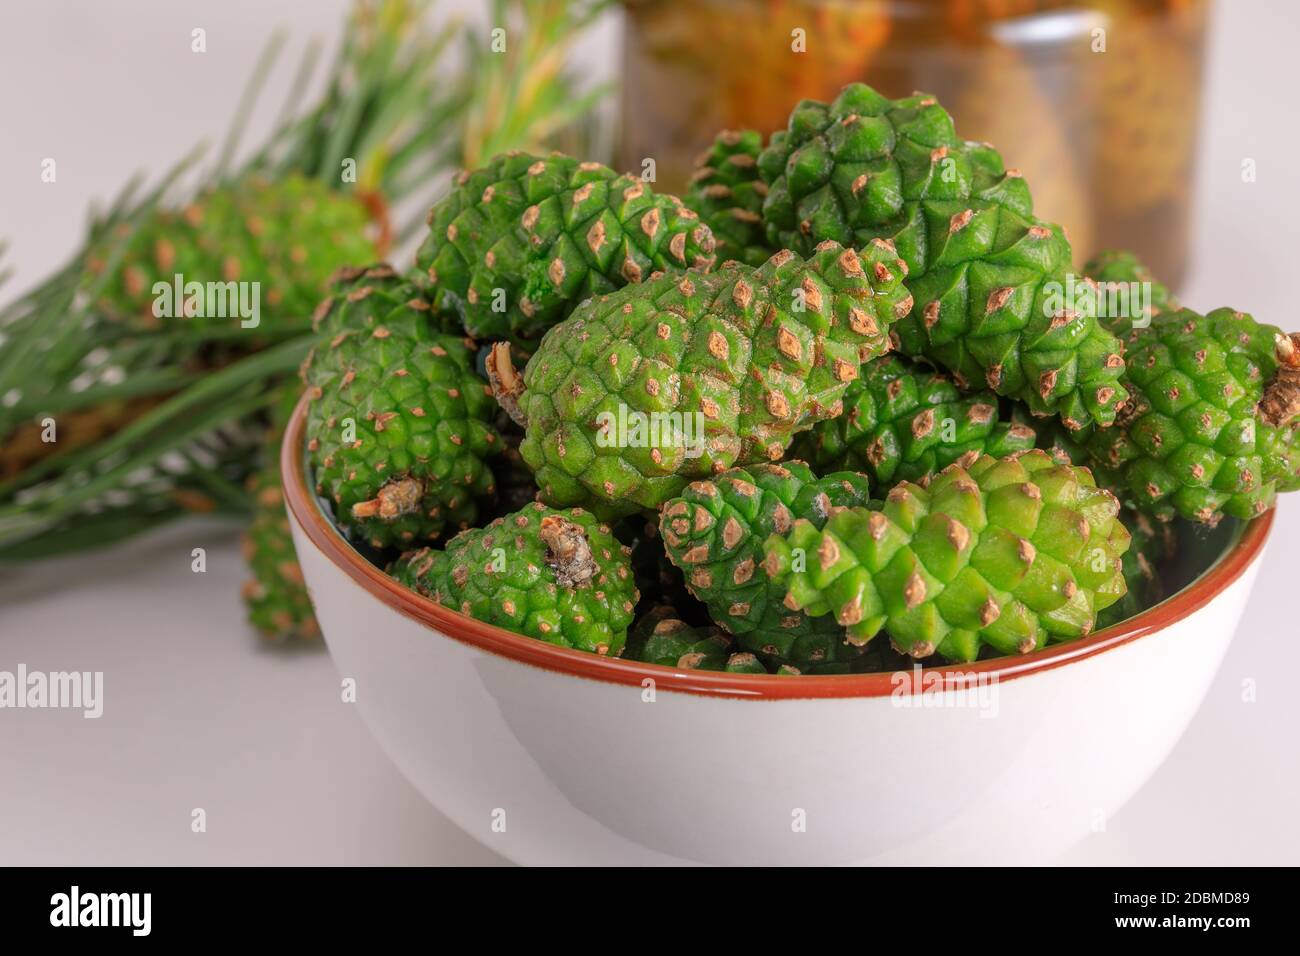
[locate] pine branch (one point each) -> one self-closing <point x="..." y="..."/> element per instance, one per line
<point x="389" y="103"/>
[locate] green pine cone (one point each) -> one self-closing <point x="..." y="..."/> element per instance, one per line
<point x="728" y="192"/>
<point x="715" y="533"/>
<point x="1118" y="271"/>
<point x="1006" y="554"/>
<point x="1211" y="426"/>
<point x="275" y="595"/>
<point x="399" y="425"/>
<point x="1152" y="546"/>
<point x="986" y="276"/>
<point x="288" y="236"/>
<point x="684" y="376"/>
<point x="903" y="421"/>
<point x="558" y="576"/>
<point x="661" y="637"/>
<point x="518" y="244"/>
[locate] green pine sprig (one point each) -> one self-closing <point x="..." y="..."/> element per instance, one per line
<point x="394" y="105"/>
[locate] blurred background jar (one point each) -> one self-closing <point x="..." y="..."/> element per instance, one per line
<point x="1097" y="102"/>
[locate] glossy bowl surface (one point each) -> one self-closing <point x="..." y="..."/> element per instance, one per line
<point x="550" y="755"/>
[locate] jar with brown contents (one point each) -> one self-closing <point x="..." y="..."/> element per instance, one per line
<point x="1095" y="101"/>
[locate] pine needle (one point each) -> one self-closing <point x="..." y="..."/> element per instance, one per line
<point x="252" y="89"/>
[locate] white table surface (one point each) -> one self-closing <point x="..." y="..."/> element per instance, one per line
<point x="198" y="715"/>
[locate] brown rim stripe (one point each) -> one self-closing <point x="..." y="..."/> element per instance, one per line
<point x="304" y="509"/>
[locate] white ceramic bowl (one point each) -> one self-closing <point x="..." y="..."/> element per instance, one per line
<point x="552" y="756"/>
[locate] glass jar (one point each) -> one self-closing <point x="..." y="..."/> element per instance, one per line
<point x="1095" y="101"/>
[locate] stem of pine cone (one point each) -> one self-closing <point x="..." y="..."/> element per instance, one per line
<point x="568" y="551"/>
<point x="377" y="209"/>
<point x="507" y="384"/>
<point x="1281" y="400"/>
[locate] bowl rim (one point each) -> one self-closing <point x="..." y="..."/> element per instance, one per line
<point x="305" y="510"/>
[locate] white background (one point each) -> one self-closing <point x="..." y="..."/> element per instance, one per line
<point x="198" y="715"/>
